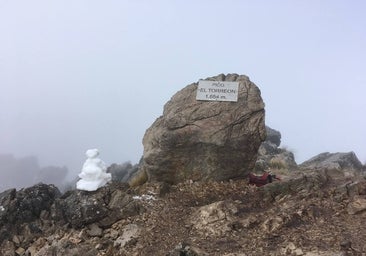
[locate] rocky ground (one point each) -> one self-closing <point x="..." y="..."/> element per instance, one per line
<point x="307" y="213"/>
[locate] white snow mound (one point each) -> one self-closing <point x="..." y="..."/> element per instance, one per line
<point x="93" y="175"/>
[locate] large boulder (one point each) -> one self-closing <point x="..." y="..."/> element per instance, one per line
<point x="336" y="161"/>
<point x="205" y="140"/>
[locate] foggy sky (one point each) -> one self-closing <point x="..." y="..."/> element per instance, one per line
<point x="87" y="74"/>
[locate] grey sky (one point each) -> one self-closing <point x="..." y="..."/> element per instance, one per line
<point x="82" y="74"/>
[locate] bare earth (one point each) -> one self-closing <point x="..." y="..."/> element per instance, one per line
<point x="233" y="218"/>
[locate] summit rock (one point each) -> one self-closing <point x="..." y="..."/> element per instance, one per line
<point x="205" y="140"/>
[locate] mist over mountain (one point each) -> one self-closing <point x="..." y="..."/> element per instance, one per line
<point x="26" y="171"/>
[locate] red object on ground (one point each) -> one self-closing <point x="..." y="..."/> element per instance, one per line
<point x="261" y="180"/>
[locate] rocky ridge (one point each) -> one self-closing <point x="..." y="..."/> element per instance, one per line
<point x="337" y="161"/>
<point x="307" y="213"/>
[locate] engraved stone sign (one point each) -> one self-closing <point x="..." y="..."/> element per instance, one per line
<point x="217" y="91"/>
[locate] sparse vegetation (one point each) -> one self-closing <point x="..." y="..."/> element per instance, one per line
<point x="139" y="179"/>
<point x="277" y="163"/>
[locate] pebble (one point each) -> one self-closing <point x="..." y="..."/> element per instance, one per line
<point x="20" y="251"/>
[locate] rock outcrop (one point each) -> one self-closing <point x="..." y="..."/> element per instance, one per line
<point x="271" y="156"/>
<point x="337" y="161"/>
<point x="27" y="204"/>
<point x="104" y="207"/>
<point x="24" y="206"/>
<point x="205" y="140"/>
<point x="273" y="137"/>
<point x="40" y="209"/>
<point x="306" y="213"/>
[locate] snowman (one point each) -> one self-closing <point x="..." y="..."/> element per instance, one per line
<point x="93" y="175"/>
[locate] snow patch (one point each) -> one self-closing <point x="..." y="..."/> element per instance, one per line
<point x="2" y="208"/>
<point x="149" y="197"/>
<point x="144" y="197"/>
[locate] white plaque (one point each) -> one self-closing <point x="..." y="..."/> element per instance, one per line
<point x="217" y="91"/>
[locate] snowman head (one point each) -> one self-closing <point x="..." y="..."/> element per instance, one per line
<point x="92" y="153"/>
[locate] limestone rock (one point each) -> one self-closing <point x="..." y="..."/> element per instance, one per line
<point x="129" y="232"/>
<point x="358" y="205"/>
<point x="20" y="251"/>
<point x="270" y="156"/>
<point x="214" y="218"/>
<point x="336" y="161"/>
<point x="205" y="140"/>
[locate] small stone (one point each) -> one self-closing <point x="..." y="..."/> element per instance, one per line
<point x="75" y="240"/>
<point x="298" y="252"/>
<point x="20" y="251"/>
<point x="94" y="230"/>
<point x="44" y="215"/>
<point x="82" y="233"/>
<point x="312" y="254"/>
<point x="31" y="251"/>
<point x="16" y="239"/>
<point x="113" y="234"/>
<point x="130" y="232"/>
<point x="356" y="206"/>
<point x="346" y="244"/>
<point x="291" y="246"/>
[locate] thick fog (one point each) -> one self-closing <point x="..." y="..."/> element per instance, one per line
<point x="87" y="74"/>
<point x="26" y="171"/>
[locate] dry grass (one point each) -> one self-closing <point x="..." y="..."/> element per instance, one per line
<point x="279" y="167"/>
<point x="278" y="164"/>
<point x="139" y="179"/>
